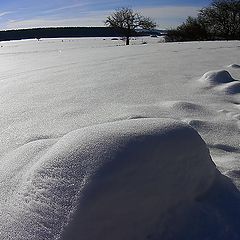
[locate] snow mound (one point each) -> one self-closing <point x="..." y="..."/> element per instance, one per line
<point x="108" y="181"/>
<point x="230" y="88"/>
<point x="221" y="81"/>
<point x="234" y="66"/>
<point x="151" y="171"/>
<point x="186" y="107"/>
<point x="213" y="78"/>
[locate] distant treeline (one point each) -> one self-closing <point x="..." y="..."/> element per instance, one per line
<point x="65" y="32"/>
<point x="219" y="21"/>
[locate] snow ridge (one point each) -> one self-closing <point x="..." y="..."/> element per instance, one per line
<point x="118" y="174"/>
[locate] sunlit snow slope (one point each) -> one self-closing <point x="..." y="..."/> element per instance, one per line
<point x="103" y="141"/>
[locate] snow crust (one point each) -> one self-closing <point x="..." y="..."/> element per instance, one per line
<point x="100" y="141"/>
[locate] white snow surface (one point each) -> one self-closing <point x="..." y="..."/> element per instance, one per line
<point x="105" y="141"/>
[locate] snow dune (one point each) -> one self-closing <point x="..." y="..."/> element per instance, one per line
<point x="222" y="81"/>
<point x="217" y="77"/>
<point x="111" y="142"/>
<point x="234" y="66"/>
<point x="102" y="182"/>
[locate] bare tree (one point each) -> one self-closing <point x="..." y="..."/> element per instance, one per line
<point x="126" y="20"/>
<point x="222" y="18"/>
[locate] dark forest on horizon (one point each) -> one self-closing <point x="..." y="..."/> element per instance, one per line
<point x="67" y="32"/>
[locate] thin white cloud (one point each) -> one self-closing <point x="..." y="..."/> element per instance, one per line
<point x="5" y="13"/>
<point x="170" y="11"/>
<point x="35" y="23"/>
<point x="166" y="17"/>
<point x="169" y="16"/>
<point x="65" y="8"/>
<point x="89" y="20"/>
<point x="83" y="4"/>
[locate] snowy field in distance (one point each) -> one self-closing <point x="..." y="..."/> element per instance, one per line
<point x="100" y="140"/>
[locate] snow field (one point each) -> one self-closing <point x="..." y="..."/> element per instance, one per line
<point x="96" y="140"/>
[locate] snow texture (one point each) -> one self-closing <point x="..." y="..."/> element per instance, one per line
<point x="102" y="141"/>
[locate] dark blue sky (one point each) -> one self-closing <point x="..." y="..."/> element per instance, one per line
<point x="33" y="13"/>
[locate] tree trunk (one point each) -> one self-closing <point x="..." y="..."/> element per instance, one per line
<point x="127" y="40"/>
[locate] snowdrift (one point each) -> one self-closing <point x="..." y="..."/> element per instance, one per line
<point x="230" y="88"/>
<point x="132" y="179"/>
<point x="221" y="81"/>
<point x="217" y="77"/>
<point x="234" y="65"/>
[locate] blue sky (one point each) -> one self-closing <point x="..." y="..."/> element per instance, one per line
<point x="45" y="13"/>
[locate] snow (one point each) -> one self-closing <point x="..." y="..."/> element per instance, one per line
<point x="234" y="66"/>
<point x="222" y="81"/>
<point x="217" y="77"/>
<point x="105" y="141"/>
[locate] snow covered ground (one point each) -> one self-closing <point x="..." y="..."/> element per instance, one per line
<point x="105" y="141"/>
